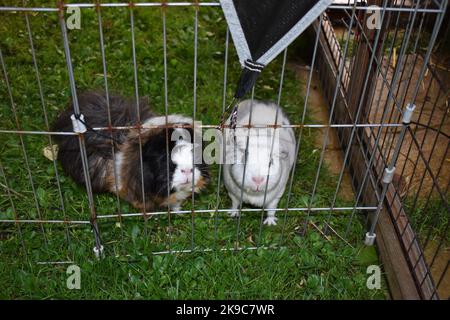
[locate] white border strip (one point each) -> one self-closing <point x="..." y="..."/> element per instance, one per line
<point x="299" y="27"/>
<point x="238" y="35"/>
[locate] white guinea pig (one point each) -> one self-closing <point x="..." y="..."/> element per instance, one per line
<point x="261" y="155"/>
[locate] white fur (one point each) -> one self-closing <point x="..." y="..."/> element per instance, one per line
<point x="258" y="159"/>
<point x="118" y="164"/>
<point x="161" y="121"/>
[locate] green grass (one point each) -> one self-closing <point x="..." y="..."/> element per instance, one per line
<point x="307" y="267"/>
<point x="429" y="219"/>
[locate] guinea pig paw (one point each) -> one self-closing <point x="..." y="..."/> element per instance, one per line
<point x="233" y="213"/>
<point x="271" y="221"/>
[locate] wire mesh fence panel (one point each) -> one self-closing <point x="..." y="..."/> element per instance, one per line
<point x="368" y="115"/>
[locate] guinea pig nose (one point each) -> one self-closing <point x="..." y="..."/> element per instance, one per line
<point x="258" y="179"/>
<point x="186" y="171"/>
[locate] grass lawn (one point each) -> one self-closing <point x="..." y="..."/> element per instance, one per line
<point x="306" y="267"/>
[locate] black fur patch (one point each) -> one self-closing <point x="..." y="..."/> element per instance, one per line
<point x="94" y="107"/>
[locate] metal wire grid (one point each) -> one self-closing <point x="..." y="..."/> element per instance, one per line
<point x="403" y="87"/>
<point x="409" y="92"/>
<point x="422" y="9"/>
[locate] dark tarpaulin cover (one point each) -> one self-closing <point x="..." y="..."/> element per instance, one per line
<point x="265" y="22"/>
<point x="261" y="29"/>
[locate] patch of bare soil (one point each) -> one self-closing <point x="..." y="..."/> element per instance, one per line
<point x="318" y="110"/>
<point x="432" y="109"/>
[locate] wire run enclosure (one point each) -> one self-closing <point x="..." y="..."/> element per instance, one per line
<point x="386" y="108"/>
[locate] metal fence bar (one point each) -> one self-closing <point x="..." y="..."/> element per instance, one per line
<point x="317" y="210"/>
<point x="224" y="99"/>
<point x="357" y="116"/>
<point x="194" y="114"/>
<point x="166" y="114"/>
<point x="406" y="88"/>
<point x="108" y="106"/>
<point x="138" y="116"/>
<point x="210" y="126"/>
<point x="330" y="119"/>
<point x="238" y="222"/>
<point x="98" y="249"/>
<point x="283" y="67"/>
<point x="44" y="112"/>
<point x="299" y="138"/>
<point x="201" y="4"/>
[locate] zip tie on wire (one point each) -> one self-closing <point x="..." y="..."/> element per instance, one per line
<point x="80" y="126"/>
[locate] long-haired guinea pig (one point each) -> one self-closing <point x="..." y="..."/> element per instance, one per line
<point x="258" y="179"/>
<point x="163" y="181"/>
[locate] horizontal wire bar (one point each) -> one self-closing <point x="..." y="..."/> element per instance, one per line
<point x="54" y="262"/>
<point x="160" y="213"/>
<point x="210" y="126"/>
<point x="199" y="4"/>
<point x="45" y="221"/>
<point x="68" y="133"/>
<point x="211" y="249"/>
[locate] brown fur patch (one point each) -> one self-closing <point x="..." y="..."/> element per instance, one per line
<point x="201" y="183"/>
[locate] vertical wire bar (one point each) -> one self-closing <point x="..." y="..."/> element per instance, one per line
<point x="431" y="43"/>
<point x="390" y="86"/>
<point x="406" y="88"/>
<point x="13" y="207"/>
<point x="330" y="119"/>
<point x="386" y="185"/>
<point x="379" y="71"/>
<point x="22" y="144"/>
<point x="219" y="175"/>
<point x="166" y="113"/>
<point x="395" y="84"/>
<point x="138" y="116"/>
<point x="84" y="159"/>
<point x="280" y="88"/>
<point x="105" y="79"/>
<point x="194" y="113"/>
<point x="299" y="138"/>
<point x="238" y="227"/>
<point x="426" y="131"/>
<point x="371" y="94"/>
<point x="44" y="111"/>
<point x="384" y="76"/>
<point x="424" y="67"/>
<point x="357" y="116"/>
